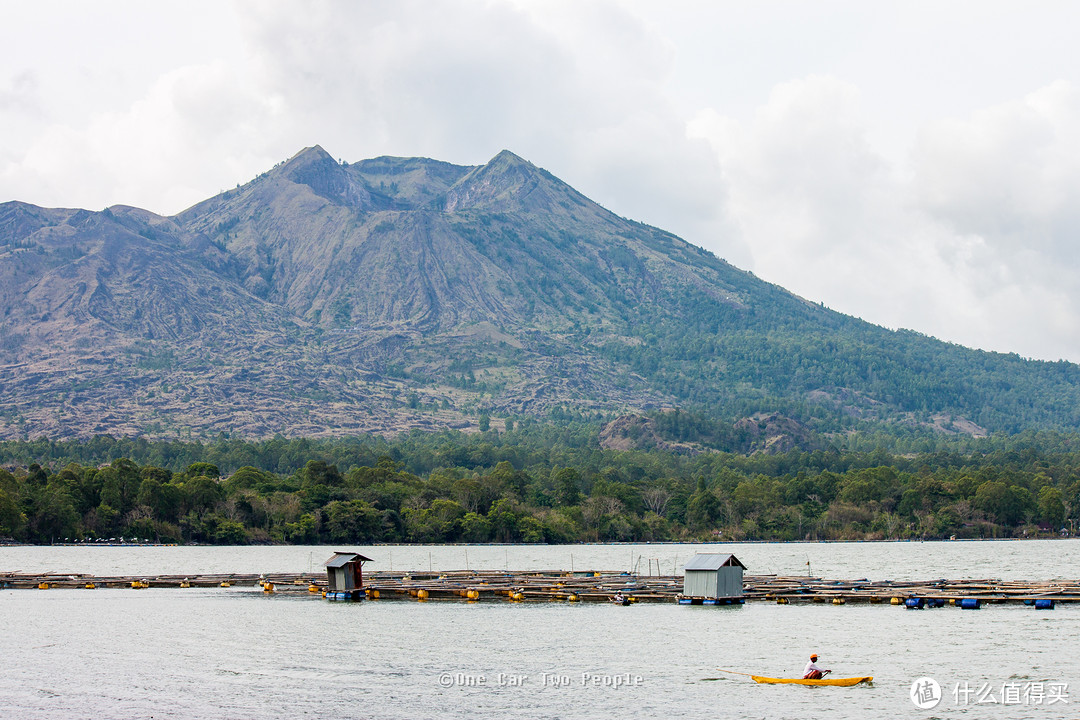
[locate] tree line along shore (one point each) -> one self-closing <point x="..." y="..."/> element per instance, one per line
<point x="540" y="483"/>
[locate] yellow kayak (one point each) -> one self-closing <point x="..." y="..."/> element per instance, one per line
<point x="838" y="682"/>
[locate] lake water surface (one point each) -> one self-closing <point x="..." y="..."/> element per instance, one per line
<point x="235" y="653"/>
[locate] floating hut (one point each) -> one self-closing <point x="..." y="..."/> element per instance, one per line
<point x="344" y="576"/>
<point x="713" y="579"/>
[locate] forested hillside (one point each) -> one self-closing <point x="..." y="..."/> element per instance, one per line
<point x="541" y="482"/>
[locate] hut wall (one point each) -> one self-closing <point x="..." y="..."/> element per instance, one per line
<point x="340" y="579"/>
<point x="729" y="581"/>
<point x="699" y="583"/>
<point x="723" y="583"/>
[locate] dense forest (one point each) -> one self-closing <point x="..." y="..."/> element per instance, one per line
<point x="541" y="482"/>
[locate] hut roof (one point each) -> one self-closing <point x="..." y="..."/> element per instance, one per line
<point x="341" y="558"/>
<point x="712" y="561"/>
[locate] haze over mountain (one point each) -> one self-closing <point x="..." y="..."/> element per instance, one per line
<point x="325" y="298"/>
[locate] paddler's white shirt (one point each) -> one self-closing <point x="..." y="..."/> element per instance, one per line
<point x="811" y="667"/>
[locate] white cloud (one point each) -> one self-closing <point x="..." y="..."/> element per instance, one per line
<point x="458" y="82"/>
<point x="972" y="243"/>
<point x="1010" y="173"/>
<point x="21" y="94"/>
<point x="800" y="175"/>
<point x="156" y="152"/>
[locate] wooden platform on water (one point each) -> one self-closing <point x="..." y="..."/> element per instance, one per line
<point x="796" y="589"/>
<point x="592" y="586"/>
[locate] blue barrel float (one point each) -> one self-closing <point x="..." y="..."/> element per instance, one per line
<point x="346" y="595"/>
<point x="914" y="603"/>
<point x="1044" y="604"/>
<point x="969" y="604"/>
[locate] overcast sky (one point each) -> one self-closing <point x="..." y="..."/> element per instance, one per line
<point x="916" y="164"/>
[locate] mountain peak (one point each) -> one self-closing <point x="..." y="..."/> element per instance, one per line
<point x="505" y="157"/>
<point x="506" y="182"/>
<point x="315" y="153"/>
<point x="309" y="162"/>
<point x="317" y="169"/>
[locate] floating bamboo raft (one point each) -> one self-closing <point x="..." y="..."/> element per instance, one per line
<point x="556" y="585"/>
<point x="804" y="589"/>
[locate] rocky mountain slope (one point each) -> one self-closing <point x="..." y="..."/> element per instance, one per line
<point x="324" y="298"/>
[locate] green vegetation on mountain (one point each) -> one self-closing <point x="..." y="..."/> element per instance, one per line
<point x="541" y="482"/>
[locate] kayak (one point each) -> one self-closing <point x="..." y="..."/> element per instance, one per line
<point x="838" y="682"/>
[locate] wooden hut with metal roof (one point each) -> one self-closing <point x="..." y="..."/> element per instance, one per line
<point x="712" y="578"/>
<point x="344" y="575"/>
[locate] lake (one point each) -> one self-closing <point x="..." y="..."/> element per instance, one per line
<point x="235" y="653"/>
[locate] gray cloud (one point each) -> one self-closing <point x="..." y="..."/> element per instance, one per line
<point x="21" y="94"/>
<point x="974" y="243"/>
<point x="1010" y="173"/>
<point x="461" y="82"/>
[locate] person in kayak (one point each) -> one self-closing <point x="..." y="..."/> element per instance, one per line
<point x="812" y="671"/>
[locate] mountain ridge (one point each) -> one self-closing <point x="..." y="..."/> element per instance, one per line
<point x="328" y="298"/>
